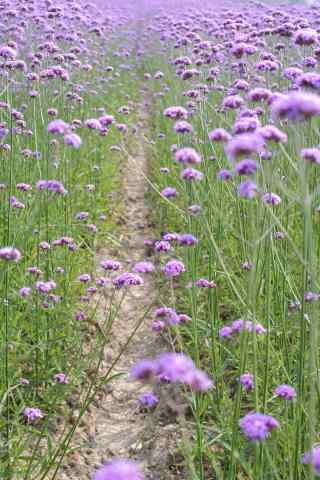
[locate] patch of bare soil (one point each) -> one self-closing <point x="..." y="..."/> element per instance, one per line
<point x="115" y="426"/>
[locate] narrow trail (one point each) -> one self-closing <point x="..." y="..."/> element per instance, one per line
<point x="114" y="426"/>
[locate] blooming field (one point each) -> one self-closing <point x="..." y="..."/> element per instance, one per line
<point x="223" y="99"/>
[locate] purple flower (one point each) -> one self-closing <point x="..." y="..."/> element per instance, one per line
<point x="58" y="127"/>
<point x="162" y="246"/>
<point x="272" y="133"/>
<point x="127" y="279"/>
<point x="82" y="215"/>
<point x="296" y="106"/>
<point x="93" y="124"/>
<point x="219" y="135"/>
<point x="173" y="268"/>
<point x="183" y="127"/>
<point x="175" y="366"/>
<point x="119" y="470"/>
<point x="169" y="192"/>
<point x="246" y="379"/>
<point x="7" y="52"/>
<point x="73" y="140"/>
<point x="225" y="332"/>
<point x="311" y="155"/>
<point x="204" y="283"/>
<point x="271" y="198"/>
<point x="305" y="36"/>
<point x="187" y="239"/>
<point x="44" y="246"/>
<point x="148" y="400"/>
<point x="45" y="287"/>
<point x="143" y="370"/>
<point x="194" y="209"/>
<point x="85" y="278"/>
<point x="224" y="175"/>
<point x="32" y="414"/>
<point x="113" y="265"/>
<point x="198" y="380"/>
<point x="24" y="381"/>
<point x="313" y="458"/>
<point x="61" y="378"/>
<point x="190" y="174"/>
<point x="311" y="297"/>
<point x="176" y="112"/>
<point x="257" y="426"/>
<point x="246" y="167"/>
<point x="144" y="267"/>
<point x="187" y="156"/>
<point x="247" y="189"/>
<point x="285" y="391"/>
<point x="168" y="315"/>
<point x="183" y="318"/>
<point x="10" y="254"/>
<point x="25" y="187"/>
<point x="80" y="316"/>
<point x="247" y="265"/>
<point x="244" y="144"/>
<point x="25" y="291"/>
<point x="158" y="326"/>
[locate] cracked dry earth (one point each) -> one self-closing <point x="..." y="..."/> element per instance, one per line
<point x="114" y="426"/>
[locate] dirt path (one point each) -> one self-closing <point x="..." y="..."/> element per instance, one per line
<point x="114" y="425"/>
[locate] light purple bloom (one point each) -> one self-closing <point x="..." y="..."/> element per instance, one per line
<point x="313" y="458"/>
<point x="187" y="156"/>
<point x="32" y="414"/>
<point x="285" y="391"/>
<point x="61" y="378"/>
<point x="144" y="267"/>
<point x="173" y="268"/>
<point x="247" y="189"/>
<point x="271" y="198"/>
<point x="257" y="426"/>
<point x="190" y="174"/>
<point x="127" y="279"/>
<point x="10" y="254"/>
<point x="113" y="265"/>
<point x="58" y="127"/>
<point x="119" y="470"/>
<point x="72" y="140"/>
<point x="169" y="192"/>
<point x="148" y="400"/>
<point x="246" y="379"/>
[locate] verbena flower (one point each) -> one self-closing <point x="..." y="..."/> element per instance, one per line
<point x="258" y="426"/>
<point x="173" y="268"/>
<point x="187" y="156"/>
<point x="58" y="127"/>
<point x="296" y="106"/>
<point x="10" y="254"/>
<point x="286" y="392"/>
<point x="144" y="267"/>
<point x="148" y="400"/>
<point x="32" y="414"/>
<point x="127" y="279"/>
<point x="61" y="378"/>
<point x="312" y="458"/>
<point x="247" y="380"/>
<point x="119" y="470"/>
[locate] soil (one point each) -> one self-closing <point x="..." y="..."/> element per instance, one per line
<point x="115" y="426"/>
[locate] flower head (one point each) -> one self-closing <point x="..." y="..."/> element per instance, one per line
<point x="257" y="426"/>
<point x="173" y="268"/>
<point x="285" y="391"/>
<point x="10" y="254"/>
<point x="119" y="470"/>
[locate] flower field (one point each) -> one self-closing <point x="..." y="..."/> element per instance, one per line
<point x="160" y="223"/>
